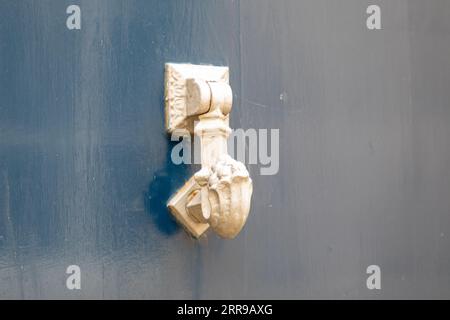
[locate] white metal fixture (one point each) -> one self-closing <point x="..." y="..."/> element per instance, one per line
<point x="219" y="195"/>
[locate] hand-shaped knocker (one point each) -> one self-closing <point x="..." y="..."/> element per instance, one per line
<point x="219" y="195"/>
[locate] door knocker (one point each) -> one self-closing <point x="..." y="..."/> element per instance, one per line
<point x="198" y="98"/>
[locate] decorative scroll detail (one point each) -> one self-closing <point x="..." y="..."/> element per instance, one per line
<point x="175" y="99"/>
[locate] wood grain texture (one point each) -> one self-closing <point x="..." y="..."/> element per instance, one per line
<point x="364" y="119"/>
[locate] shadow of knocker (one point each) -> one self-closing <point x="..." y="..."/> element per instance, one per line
<point x="166" y="181"/>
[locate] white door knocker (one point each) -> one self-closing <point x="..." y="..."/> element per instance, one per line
<point x="219" y="195"/>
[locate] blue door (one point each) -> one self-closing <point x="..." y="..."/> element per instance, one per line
<point x="350" y="103"/>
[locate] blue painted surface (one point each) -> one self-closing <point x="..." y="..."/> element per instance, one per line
<point x="364" y="178"/>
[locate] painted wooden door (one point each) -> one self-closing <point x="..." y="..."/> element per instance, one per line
<point x="363" y="175"/>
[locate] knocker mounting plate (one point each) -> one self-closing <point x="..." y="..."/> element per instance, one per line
<point x="176" y="76"/>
